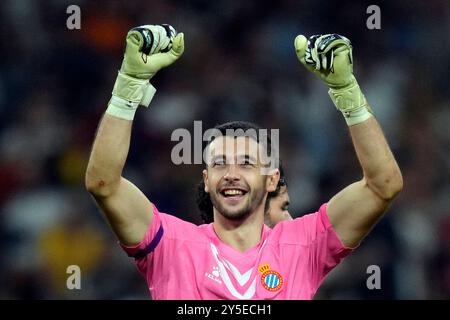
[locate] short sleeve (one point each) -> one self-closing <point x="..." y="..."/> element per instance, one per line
<point x="154" y="256"/>
<point x="328" y="249"/>
<point x="152" y="239"/>
<point x="320" y="245"/>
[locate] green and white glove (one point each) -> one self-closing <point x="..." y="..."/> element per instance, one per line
<point x="149" y="48"/>
<point x="329" y="56"/>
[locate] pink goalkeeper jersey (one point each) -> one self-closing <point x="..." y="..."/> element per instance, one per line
<point x="180" y="260"/>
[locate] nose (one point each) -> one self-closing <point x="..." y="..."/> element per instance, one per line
<point x="231" y="174"/>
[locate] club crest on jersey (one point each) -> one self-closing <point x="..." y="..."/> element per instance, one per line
<point x="270" y="279"/>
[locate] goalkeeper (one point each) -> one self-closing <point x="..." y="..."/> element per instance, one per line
<point x="236" y="256"/>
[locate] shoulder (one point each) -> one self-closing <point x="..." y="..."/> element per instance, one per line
<point x="303" y="230"/>
<point x="176" y="228"/>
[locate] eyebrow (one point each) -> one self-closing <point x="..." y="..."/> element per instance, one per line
<point x="246" y="157"/>
<point x="220" y="157"/>
<point x="250" y="158"/>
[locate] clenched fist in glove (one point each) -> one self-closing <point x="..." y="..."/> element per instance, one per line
<point x="149" y="48"/>
<point x="329" y="56"/>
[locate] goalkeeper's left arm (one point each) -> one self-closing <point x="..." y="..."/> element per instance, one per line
<point x="354" y="210"/>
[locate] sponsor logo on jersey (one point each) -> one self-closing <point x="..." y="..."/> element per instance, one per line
<point x="214" y="275"/>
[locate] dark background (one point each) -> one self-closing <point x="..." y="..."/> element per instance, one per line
<point x="239" y="64"/>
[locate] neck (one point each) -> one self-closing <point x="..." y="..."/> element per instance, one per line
<point x="241" y="235"/>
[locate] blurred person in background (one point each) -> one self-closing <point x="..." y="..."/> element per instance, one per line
<point x="276" y="208"/>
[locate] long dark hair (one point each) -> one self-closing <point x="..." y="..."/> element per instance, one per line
<point x="203" y="199"/>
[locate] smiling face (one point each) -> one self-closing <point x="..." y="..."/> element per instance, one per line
<point x="233" y="177"/>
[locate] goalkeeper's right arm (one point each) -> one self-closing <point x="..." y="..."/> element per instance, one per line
<point x="148" y="49"/>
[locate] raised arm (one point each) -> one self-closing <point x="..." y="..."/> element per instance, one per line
<point x="354" y="210"/>
<point x="148" y="49"/>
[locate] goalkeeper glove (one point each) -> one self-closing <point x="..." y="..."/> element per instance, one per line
<point x="149" y="48"/>
<point x="330" y="58"/>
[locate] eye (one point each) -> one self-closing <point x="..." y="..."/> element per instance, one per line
<point x="218" y="163"/>
<point x="247" y="163"/>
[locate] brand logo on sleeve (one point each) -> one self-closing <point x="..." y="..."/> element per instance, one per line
<point x="270" y="279"/>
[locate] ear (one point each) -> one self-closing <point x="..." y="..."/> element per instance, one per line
<point x="272" y="180"/>
<point x="205" y="180"/>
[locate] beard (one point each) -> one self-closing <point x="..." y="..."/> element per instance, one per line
<point x="251" y="202"/>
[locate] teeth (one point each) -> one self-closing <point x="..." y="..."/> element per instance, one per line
<point x="232" y="192"/>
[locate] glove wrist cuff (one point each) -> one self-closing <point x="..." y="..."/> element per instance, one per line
<point x="128" y="93"/>
<point x="129" y="88"/>
<point x="351" y="102"/>
<point x="356" y="116"/>
<point x="348" y="98"/>
<point x="121" y="108"/>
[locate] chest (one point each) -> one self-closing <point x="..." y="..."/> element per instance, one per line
<point x="264" y="274"/>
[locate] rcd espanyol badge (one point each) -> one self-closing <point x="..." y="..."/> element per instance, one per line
<point x="270" y="279"/>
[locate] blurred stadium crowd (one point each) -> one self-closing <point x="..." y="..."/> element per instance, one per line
<point x="239" y="64"/>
